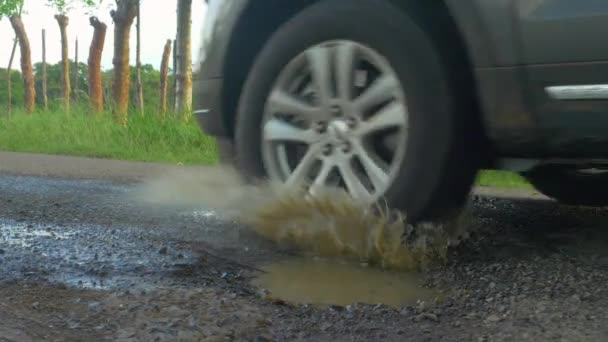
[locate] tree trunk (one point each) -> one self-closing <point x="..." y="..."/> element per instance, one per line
<point x="26" y="63"/>
<point x="174" y="85"/>
<point x="9" y="79"/>
<point x="184" y="58"/>
<point x="164" y="73"/>
<point x="140" y="91"/>
<point x="76" y="73"/>
<point x="66" y="90"/>
<point x="95" y="53"/>
<point x="45" y="99"/>
<point x="123" y="19"/>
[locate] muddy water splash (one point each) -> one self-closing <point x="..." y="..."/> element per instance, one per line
<point x="328" y="224"/>
<point x="332" y="224"/>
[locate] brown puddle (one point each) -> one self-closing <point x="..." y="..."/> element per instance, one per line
<point x="325" y="282"/>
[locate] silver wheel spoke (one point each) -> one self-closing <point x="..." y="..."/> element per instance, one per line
<point x="277" y="130"/>
<point x="393" y="115"/>
<point x="345" y="72"/>
<point x="321" y="179"/>
<point x="283" y="102"/>
<point x="299" y="176"/>
<point x="320" y="66"/>
<point x="381" y="90"/>
<point x="353" y="182"/>
<point x="378" y="176"/>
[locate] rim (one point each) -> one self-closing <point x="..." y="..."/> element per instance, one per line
<point x="336" y="117"/>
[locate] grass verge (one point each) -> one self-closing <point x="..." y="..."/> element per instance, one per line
<point x="146" y="138"/>
<point x="502" y="179"/>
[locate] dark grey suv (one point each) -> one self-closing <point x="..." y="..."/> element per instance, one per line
<point x="406" y="100"/>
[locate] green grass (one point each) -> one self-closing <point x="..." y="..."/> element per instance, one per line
<point x="144" y="139"/>
<point x="82" y="134"/>
<point x="502" y="179"/>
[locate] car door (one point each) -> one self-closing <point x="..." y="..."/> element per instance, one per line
<point x="564" y="50"/>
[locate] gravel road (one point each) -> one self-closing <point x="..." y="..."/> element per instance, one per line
<point x="80" y="259"/>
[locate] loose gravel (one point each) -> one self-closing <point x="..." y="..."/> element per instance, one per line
<point x="81" y="261"/>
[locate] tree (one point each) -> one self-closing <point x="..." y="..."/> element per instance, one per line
<point x="173" y="72"/>
<point x="95" y="79"/>
<point x="54" y="81"/>
<point x="16" y="91"/>
<point x="95" y="53"/>
<point x="123" y="17"/>
<point x="150" y="81"/>
<point x="63" y="7"/>
<point x="149" y="75"/>
<point x="24" y="48"/>
<point x="53" y="84"/>
<point x="76" y="83"/>
<point x="184" y="58"/>
<point x="10" y="7"/>
<point x="45" y="99"/>
<point x="9" y="85"/>
<point x="164" y="72"/>
<point x="140" y="94"/>
<point x="63" y="22"/>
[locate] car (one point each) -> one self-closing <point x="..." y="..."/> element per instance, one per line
<point x="405" y="101"/>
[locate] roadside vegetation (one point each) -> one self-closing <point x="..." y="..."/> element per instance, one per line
<point x="129" y="111"/>
<point x="502" y="179"/>
<point x="145" y="138"/>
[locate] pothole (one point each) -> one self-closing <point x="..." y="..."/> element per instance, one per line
<point x="349" y="252"/>
<point x="22" y="235"/>
<point x="318" y="281"/>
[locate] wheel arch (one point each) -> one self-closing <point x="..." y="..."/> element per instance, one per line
<point x="446" y="30"/>
<point x="253" y="29"/>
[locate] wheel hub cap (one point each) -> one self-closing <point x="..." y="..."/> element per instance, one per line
<point x="328" y="116"/>
<point x="338" y="130"/>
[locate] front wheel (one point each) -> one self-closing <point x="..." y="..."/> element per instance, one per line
<point x="367" y="107"/>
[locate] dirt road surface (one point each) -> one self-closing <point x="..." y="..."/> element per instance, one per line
<point x="81" y="260"/>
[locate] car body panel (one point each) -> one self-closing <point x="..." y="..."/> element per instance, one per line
<point x="220" y="22"/>
<point x="563" y="44"/>
<point x="515" y="55"/>
<point x="480" y="35"/>
<point x="571" y="128"/>
<point x="489" y="30"/>
<point x="207" y="104"/>
<point x="562" y="31"/>
<point x="509" y="123"/>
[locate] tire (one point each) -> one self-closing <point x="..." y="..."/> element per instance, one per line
<point x="571" y="187"/>
<point x="441" y="158"/>
<point x="225" y="151"/>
